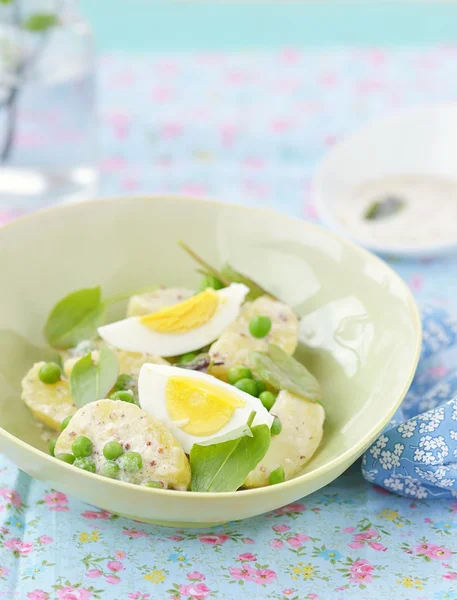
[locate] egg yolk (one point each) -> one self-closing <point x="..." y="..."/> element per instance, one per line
<point x="182" y="317"/>
<point x="205" y="407"/>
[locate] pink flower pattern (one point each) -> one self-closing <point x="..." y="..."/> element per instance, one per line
<point x="281" y="528"/>
<point x="71" y="593"/>
<point x="94" y="573"/>
<point x="432" y="551"/>
<point x="11" y="496"/>
<point x="198" y="591"/>
<point x="361" y="572"/>
<point x="18" y="546"/>
<point x="214" y="540"/>
<point x="297" y="541"/>
<point x="369" y="537"/>
<point x="246" y="557"/>
<point x="96" y="514"/>
<point x="115" y="565"/>
<point x="56" y="501"/>
<point x="37" y="595"/>
<point x="264" y="576"/>
<point x="45" y="539"/>
<point x="135" y="533"/>
<point x="296" y="507"/>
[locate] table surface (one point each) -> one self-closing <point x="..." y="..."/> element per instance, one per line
<point x="248" y="127"/>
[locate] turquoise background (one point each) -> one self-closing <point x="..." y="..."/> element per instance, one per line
<point x="147" y="25"/>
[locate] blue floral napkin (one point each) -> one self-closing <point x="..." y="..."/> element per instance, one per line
<point x="416" y="456"/>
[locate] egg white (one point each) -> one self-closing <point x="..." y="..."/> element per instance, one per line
<point x="133" y="336"/>
<point x="152" y="396"/>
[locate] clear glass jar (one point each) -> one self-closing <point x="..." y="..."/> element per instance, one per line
<point x="48" y="145"/>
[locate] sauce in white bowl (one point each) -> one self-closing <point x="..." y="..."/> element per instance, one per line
<point x="417" y="208"/>
<point x="392" y="186"/>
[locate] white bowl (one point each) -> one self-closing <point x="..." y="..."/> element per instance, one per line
<point x="418" y="141"/>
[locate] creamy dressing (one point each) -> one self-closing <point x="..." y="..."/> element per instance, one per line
<point x="428" y="216"/>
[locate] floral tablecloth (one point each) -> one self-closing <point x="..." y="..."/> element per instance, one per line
<point x="247" y="128"/>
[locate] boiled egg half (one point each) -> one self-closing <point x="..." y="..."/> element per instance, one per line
<point x="172" y="330"/>
<point x="196" y="407"/>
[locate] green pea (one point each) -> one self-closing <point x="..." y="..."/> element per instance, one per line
<point x="52" y="446"/>
<point x="261" y="387"/>
<point x="234" y="374"/>
<point x="112" y="450"/>
<point x="65" y="422"/>
<point x="209" y="281"/>
<point x="68" y="458"/>
<point x="267" y="399"/>
<point x="259" y="326"/>
<point x="85" y="463"/>
<point x="247" y="385"/>
<point x="82" y="446"/>
<point x="131" y="462"/>
<point x="277" y="476"/>
<point x="124" y="382"/>
<point x="110" y="469"/>
<point x="123" y="395"/>
<point x="276" y="427"/>
<point x="50" y="372"/>
<point x="185" y="358"/>
<point x="154" y="484"/>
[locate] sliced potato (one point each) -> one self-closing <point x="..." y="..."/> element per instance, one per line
<point x="153" y="301"/>
<point x="50" y="403"/>
<point x="129" y="362"/>
<point x="302" y="428"/>
<point x="235" y="344"/>
<point x="103" y="421"/>
<point x="81" y="349"/>
<point x="232" y="349"/>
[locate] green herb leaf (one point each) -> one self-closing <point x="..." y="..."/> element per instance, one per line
<point x="223" y="467"/>
<point x="206" y="269"/>
<point x="251" y="418"/>
<point x="381" y="209"/>
<point x="228" y="437"/>
<point x="255" y="291"/>
<point x="75" y="318"/>
<point x="6" y="1"/>
<point x="89" y="381"/>
<point x="283" y="372"/>
<point x="127" y="295"/>
<point x="200" y="363"/>
<point x="40" y="22"/>
<point x="226" y="275"/>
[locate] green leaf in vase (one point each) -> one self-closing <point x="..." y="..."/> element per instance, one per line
<point x="39" y="22"/>
<point x="224" y="464"/>
<point x="284" y="372"/>
<point x="91" y="381"/>
<point x="387" y="207"/>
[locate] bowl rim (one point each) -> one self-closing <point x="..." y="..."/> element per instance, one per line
<point x="354" y="451"/>
<point x="324" y="210"/>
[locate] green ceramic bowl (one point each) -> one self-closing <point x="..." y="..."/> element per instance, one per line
<point x="360" y="334"/>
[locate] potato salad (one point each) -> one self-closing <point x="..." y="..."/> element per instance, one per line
<point x="193" y="390"/>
